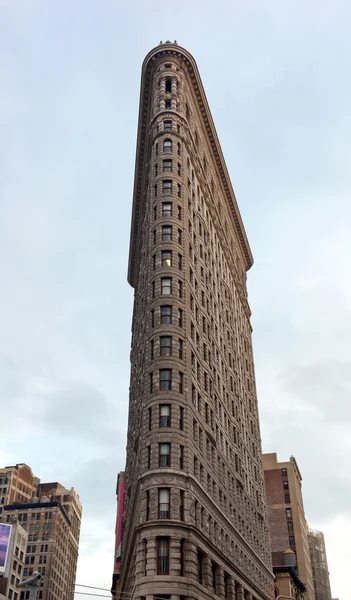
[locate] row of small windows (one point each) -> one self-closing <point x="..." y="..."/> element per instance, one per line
<point x="167" y="188"/>
<point x="166" y="259"/>
<point x="167" y="146"/>
<point x="166" y="287"/>
<point x="167" y="167"/>
<point x="164" y="496"/>
<point x="166" y="316"/>
<point x="167" y="210"/>
<point x="167" y="234"/>
<point x="165" y="381"/>
<point x="166" y="347"/>
<point x="164" y="455"/>
<point x="165" y="416"/>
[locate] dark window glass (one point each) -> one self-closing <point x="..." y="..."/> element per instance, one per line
<point x="181" y="505"/>
<point x="167" y="187"/>
<point x="286" y="485"/>
<point x="165" y="379"/>
<point x="178" y="149"/>
<point x="167" y="233"/>
<point x="166" y="258"/>
<point x="181" y="382"/>
<point x="167" y="209"/>
<point x="165" y="345"/>
<point x="180" y="317"/>
<point x="291" y="540"/>
<point x="166" y="285"/>
<point x="164" y="455"/>
<point x="180" y="236"/>
<point x="181" y="570"/>
<point x="288" y="513"/>
<point x="181" y="457"/>
<point x="180" y="262"/>
<point x="290" y="526"/>
<point x="167" y="125"/>
<point x="284" y="473"/>
<point x="180" y="349"/>
<point x="167" y="166"/>
<point x="163" y="503"/>
<point x="181" y="418"/>
<point x="180" y="289"/>
<point x="163" y="556"/>
<point x="287" y="499"/>
<point x="168" y="104"/>
<point x="166" y="315"/>
<point x="168" y="85"/>
<point x="165" y="415"/>
<point x="200" y="567"/>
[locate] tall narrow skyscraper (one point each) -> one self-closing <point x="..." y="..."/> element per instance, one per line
<point x="195" y="520"/>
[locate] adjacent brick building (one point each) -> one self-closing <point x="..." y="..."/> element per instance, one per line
<point x="51" y="515"/>
<point x="195" y="521"/>
<point x="286" y="516"/>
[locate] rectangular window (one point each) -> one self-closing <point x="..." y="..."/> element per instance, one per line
<point x="288" y="513"/>
<point x="179" y="169"/>
<point x="214" y="577"/>
<point x="165" y="379"/>
<point x="152" y="349"/>
<point x="181" y="382"/>
<point x="155" y="190"/>
<point x="291" y="540"/>
<point x="284" y="473"/>
<point x="286" y="485"/>
<point x="166" y="315"/>
<point x="155" y="213"/>
<point x="181" y="418"/>
<point x="168" y="104"/>
<point x="154" y="236"/>
<point x="167" y="166"/>
<point x="153" y="289"/>
<point x="165" y="345"/>
<point x="180" y="237"/>
<point x="180" y="317"/>
<point x="181" y="558"/>
<point x="150" y="417"/>
<point x="180" y="349"/>
<point x="163" y="503"/>
<point x="165" y="415"/>
<point x="179" y="213"/>
<point x="290" y="526"/>
<point x="149" y="457"/>
<point x="154" y="262"/>
<point x="180" y="289"/>
<point x="164" y="457"/>
<point x="181" y="457"/>
<point x="166" y="286"/>
<point x="287" y="498"/>
<point x="152" y="318"/>
<point x="167" y="209"/>
<point x="200" y="567"/>
<point x="167" y="187"/>
<point x="167" y="125"/>
<point x="179" y="190"/>
<point x="166" y="258"/>
<point x="180" y="262"/>
<point x="156" y="169"/>
<point x="151" y="376"/>
<point x="167" y="233"/>
<point x="147" y="505"/>
<point x="181" y="505"/>
<point x="163" y="556"/>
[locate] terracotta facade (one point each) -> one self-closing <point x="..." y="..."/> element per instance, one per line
<point x="195" y="519"/>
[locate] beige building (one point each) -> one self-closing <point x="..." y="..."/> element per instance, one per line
<point x="195" y="521"/>
<point x="319" y="564"/>
<point x="286" y="516"/>
<point x="51" y="516"/>
<point x="15" y="567"/>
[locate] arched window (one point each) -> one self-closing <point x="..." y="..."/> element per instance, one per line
<point x="167" y="145"/>
<point x="168" y="85"/>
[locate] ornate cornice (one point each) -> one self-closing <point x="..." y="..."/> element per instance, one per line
<point x="173" y="50"/>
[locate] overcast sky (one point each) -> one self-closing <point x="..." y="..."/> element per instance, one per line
<point x="277" y="78"/>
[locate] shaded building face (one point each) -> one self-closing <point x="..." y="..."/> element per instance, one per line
<point x="194" y="508"/>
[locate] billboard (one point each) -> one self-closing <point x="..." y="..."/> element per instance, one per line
<point x="5" y="534"/>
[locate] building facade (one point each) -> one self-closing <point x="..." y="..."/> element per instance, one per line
<point x="286" y="516"/>
<point x="51" y="516"/>
<point x="195" y="519"/>
<point x="319" y="563"/>
<point x="15" y="566"/>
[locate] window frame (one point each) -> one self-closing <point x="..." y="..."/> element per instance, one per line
<point x="167" y="493"/>
<point x="165" y="455"/>
<point x="165" y="380"/>
<point x="168" y="416"/>
<point x="163" y="555"/>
